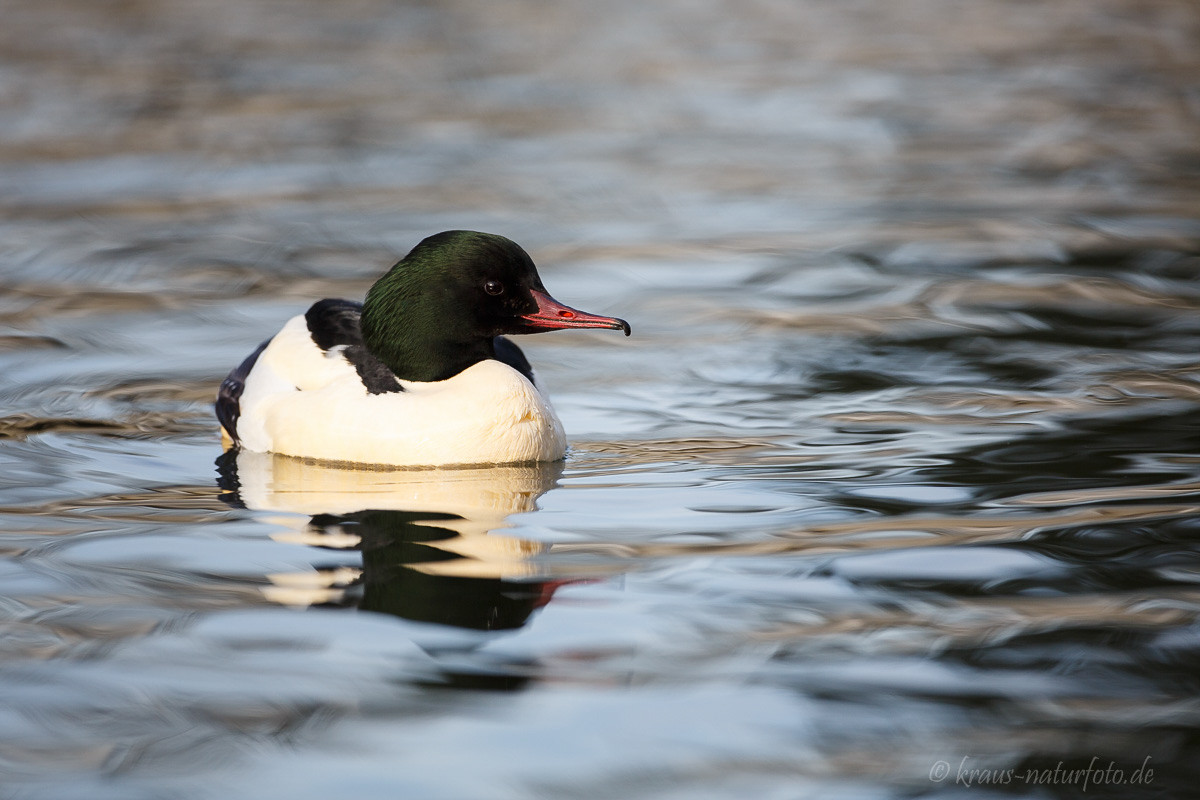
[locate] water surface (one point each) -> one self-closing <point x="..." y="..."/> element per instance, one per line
<point x="893" y="493"/>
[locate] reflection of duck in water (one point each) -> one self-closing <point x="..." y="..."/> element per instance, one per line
<point x="430" y="551"/>
<point x="419" y="374"/>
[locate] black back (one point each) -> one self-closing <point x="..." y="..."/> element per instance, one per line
<point x="507" y="352"/>
<point x="335" y="323"/>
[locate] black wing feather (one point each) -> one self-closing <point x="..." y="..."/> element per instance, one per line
<point x="229" y="396"/>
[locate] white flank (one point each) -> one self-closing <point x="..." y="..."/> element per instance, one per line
<point x="300" y="401"/>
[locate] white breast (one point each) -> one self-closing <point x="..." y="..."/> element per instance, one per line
<point x="301" y="401"/>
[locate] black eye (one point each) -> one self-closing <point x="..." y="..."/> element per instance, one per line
<point x="493" y="287"/>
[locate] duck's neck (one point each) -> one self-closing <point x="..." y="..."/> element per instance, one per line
<point x="414" y="342"/>
<point x="412" y="359"/>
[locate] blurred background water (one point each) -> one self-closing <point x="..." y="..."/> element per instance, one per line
<point x="898" y="479"/>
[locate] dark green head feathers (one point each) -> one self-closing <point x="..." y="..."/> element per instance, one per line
<point x="439" y="309"/>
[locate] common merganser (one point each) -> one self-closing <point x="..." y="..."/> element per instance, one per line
<point x="419" y="374"/>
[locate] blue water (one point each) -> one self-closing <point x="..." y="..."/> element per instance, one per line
<point x="893" y="493"/>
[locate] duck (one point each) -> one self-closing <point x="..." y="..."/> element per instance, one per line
<point x="421" y="373"/>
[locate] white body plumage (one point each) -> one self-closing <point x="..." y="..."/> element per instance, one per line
<point x="302" y="401"/>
